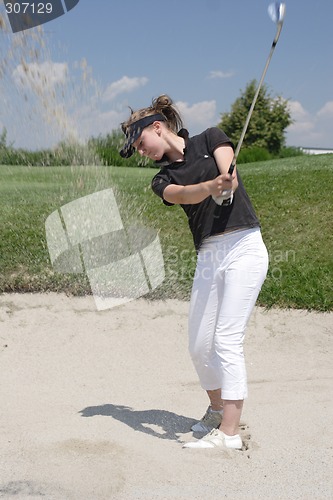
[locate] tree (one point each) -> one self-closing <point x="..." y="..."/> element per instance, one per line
<point x="269" y="120"/>
<point x="3" y="138"/>
<point x="107" y="147"/>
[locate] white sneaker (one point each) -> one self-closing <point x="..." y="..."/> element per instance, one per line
<point x="217" y="439"/>
<point x="211" y="420"/>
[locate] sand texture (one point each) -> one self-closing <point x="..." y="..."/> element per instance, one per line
<point x="96" y="405"/>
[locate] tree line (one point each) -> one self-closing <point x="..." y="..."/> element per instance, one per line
<point x="264" y="140"/>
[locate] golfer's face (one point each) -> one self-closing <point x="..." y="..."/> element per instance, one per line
<point x="149" y="144"/>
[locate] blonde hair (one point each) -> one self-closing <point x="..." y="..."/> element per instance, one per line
<point x="160" y="105"/>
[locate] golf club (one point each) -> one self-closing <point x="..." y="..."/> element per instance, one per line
<point x="276" y="12"/>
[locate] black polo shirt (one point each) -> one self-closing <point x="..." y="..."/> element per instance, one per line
<point x="205" y="218"/>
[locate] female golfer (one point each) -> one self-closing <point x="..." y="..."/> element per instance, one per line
<point x="232" y="259"/>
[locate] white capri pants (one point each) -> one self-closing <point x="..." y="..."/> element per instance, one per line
<point x="231" y="269"/>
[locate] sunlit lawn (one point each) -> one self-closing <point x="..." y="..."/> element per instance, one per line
<point x="292" y="197"/>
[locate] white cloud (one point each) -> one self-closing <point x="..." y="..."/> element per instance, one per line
<point x="326" y="111"/>
<point x="310" y="130"/>
<point x="93" y="122"/>
<point x="302" y="119"/>
<point x="40" y="76"/>
<point x="198" y="116"/>
<point x="83" y="113"/>
<point x="125" y="84"/>
<point x="297" y="110"/>
<point x="220" y="74"/>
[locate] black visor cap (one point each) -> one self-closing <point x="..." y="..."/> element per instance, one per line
<point x="134" y="131"/>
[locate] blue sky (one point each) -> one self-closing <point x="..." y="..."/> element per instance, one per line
<point x="78" y="75"/>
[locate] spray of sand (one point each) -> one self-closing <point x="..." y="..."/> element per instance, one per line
<point x="46" y="93"/>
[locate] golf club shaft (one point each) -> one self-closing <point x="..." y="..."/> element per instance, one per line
<point x="226" y="196"/>
<point x="240" y="142"/>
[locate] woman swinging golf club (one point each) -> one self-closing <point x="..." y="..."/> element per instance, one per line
<point x="232" y="258"/>
<point x="199" y="173"/>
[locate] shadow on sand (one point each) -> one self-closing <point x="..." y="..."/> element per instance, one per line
<point x="159" y="423"/>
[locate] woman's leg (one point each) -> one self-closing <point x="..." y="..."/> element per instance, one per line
<point x="232" y="412"/>
<point x="202" y="322"/>
<point x="215" y="399"/>
<point x="241" y="277"/>
<point x="236" y="286"/>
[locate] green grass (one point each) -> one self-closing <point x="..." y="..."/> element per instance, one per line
<point x="292" y="198"/>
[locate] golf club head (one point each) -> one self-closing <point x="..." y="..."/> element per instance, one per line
<point x="277" y="12"/>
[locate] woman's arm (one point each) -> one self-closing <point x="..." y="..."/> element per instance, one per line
<point x="195" y="193"/>
<point x="223" y="156"/>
